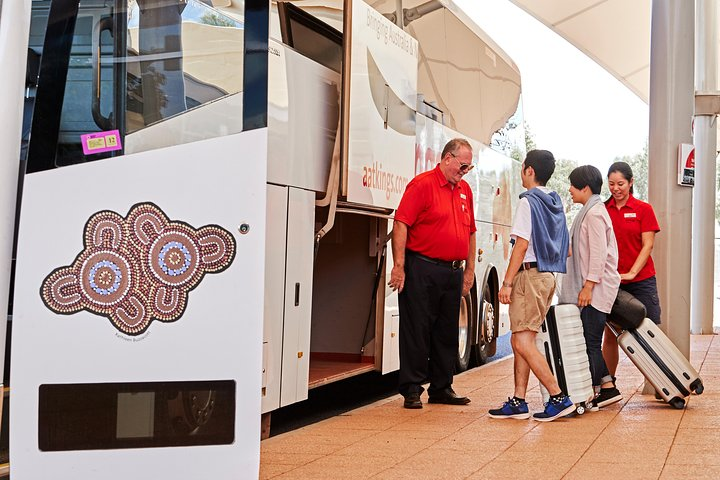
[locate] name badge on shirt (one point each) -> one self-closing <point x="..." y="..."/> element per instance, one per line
<point x="462" y="195"/>
<point x="630" y="215"/>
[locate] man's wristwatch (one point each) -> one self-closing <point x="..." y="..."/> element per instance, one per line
<point x="505" y="284"/>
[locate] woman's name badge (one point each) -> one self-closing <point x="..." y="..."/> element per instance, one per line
<point x="630" y="215"/>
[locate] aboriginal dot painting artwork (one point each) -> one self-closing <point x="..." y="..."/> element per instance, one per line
<point x="137" y="269"/>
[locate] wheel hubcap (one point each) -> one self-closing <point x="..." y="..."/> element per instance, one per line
<point x="463" y="329"/>
<point x="489" y="321"/>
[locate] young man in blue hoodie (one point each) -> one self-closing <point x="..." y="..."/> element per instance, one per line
<point x="540" y="250"/>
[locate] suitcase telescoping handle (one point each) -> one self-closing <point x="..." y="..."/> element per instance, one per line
<point x="613" y="329"/>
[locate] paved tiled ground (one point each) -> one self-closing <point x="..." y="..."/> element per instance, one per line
<point x="638" y="438"/>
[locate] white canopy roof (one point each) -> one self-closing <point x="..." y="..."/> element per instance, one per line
<point x="614" y="33"/>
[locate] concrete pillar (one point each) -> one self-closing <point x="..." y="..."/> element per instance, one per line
<point x="703" y="241"/>
<point x="671" y="111"/>
<point x="14" y="32"/>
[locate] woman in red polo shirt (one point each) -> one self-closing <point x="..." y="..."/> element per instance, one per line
<point x="635" y="227"/>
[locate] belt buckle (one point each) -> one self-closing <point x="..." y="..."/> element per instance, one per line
<point x="456" y="264"/>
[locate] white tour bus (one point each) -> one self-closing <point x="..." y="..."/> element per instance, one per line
<point x="212" y="185"/>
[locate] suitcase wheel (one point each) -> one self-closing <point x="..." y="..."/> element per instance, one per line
<point x="580" y="409"/>
<point x="697" y="387"/>
<point x="677" y="403"/>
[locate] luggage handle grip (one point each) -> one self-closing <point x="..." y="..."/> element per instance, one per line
<point x="612" y="329"/>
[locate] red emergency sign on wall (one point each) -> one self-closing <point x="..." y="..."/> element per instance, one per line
<point x="686" y="165"/>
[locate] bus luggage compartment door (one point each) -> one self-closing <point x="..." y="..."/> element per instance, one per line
<point x="288" y="294"/>
<point x="138" y="315"/>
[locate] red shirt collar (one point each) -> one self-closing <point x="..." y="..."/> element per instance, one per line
<point x="440" y="176"/>
<point x="631" y="202"/>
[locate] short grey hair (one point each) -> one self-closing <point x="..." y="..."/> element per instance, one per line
<point x="454" y="145"/>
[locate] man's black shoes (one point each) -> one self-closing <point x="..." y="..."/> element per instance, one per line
<point x="448" y="397"/>
<point x="412" y="400"/>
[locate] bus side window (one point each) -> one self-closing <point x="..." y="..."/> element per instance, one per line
<point x="160" y="34"/>
<point x="133" y="66"/>
<point x="310" y="36"/>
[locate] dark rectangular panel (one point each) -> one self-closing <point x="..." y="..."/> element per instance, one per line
<point x="94" y="416"/>
<point x="255" y="65"/>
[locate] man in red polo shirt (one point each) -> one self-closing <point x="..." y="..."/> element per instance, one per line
<point x="433" y="233"/>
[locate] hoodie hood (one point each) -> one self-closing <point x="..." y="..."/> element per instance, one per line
<point x="550" y="235"/>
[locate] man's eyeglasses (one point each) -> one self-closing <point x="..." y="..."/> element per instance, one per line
<point x="464" y="167"/>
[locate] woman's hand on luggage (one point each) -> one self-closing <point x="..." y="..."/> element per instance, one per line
<point x="627" y="276"/>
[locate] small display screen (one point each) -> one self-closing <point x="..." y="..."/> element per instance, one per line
<point x="94" y="416"/>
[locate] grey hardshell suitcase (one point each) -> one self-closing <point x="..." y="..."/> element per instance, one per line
<point x="562" y="341"/>
<point x="663" y="365"/>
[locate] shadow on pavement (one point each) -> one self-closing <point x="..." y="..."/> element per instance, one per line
<point x="340" y="397"/>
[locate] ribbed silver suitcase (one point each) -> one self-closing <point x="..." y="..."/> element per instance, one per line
<point x="562" y="341"/>
<point x="663" y="365"/>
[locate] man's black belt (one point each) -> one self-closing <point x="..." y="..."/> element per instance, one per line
<point x="528" y="265"/>
<point x="455" y="264"/>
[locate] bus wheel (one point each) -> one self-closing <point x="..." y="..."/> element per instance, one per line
<point x="487" y="341"/>
<point x="464" y="329"/>
<point x="491" y="320"/>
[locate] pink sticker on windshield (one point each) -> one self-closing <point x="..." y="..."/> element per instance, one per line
<point x="100" y="142"/>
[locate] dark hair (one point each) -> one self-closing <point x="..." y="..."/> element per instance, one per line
<point x="543" y="162"/>
<point x="453" y="145"/>
<point x="586" y="176"/>
<point x="624" y="170"/>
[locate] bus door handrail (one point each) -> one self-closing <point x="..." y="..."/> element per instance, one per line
<point x="105" y="23"/>
<point x="330" y="198"/>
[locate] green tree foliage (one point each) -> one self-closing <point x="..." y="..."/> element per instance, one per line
<point x="211" y="18"/>
<point x="517" y="154"/>
<point x="561" y="184"/>
<point x="559" y="180"/>
<point x="638" y="163"/>
<point x="529" y="138"/>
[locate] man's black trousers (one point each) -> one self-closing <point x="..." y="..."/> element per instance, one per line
<point x="429" y="309"/>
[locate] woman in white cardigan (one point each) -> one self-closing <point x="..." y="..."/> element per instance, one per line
<point x="592" y="280"/>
